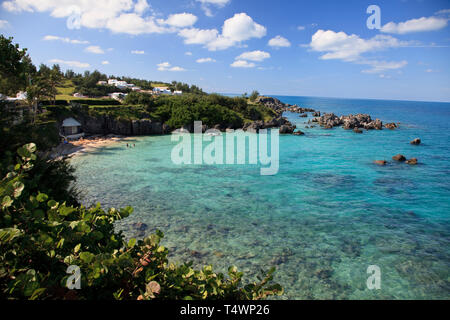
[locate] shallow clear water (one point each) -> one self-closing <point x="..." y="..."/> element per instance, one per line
<point x="322" y="220"/>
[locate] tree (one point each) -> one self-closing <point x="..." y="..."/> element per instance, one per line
<point x="15" y="67"/>
<point x="254" y="95"/>
<point x="37" y="90"/>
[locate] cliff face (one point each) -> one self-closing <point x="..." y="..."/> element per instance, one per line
<point x="110" y="125"/>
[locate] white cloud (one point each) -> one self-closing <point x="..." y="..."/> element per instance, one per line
<point x="242" y="64"/>
<point x="198" y="36"/>
<point x="141" y="6"/>
<point x="166" y="66"/>
<point x="382" y="66"/>
<point x="279" y="41"/>
<point x="216" y="2"/>
<point x="94" y="49"/>
<point x="239" y="28"/>
<point x="443" y="12"/>
<point x="105" y="62"/>
<point x="138" y="52"/>
<point x="64" y="39"/>
<point x="207" y="3"/>
<point x="3" y="24"/>
<point x="301" y="28"/>
<point x="415" y="25"/>
<point x="119" y="16"/>
<point x="188" y="53"/>
<point x="205" y="60"/>
<point x="254" y="56"/>
<point x="180" y="20"/>
<point x="339" y="45"/>
<point x="73" y="64"/>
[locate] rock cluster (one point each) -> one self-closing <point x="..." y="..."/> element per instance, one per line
<point x="416" y="141"/>
<point x="402" y="158"/>
<point x="359" y="121"/>
<point x="279" y="122"/>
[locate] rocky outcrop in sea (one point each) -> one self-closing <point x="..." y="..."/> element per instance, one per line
<point x="355" y="122"/>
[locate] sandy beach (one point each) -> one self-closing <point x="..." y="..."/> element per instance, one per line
<point x="85" y="145"/>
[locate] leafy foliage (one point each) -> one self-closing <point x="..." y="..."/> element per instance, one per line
<point x="40" y="237"/>
<point x="15" y="64"/>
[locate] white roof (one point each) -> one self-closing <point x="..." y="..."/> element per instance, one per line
<point x="71" y="122"/>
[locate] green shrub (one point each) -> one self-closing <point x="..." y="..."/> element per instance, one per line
<point x="41" y="237"/>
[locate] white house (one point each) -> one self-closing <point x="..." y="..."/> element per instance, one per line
<point x="78" y="95"/>
<point x="177" y="93"/>
<point x="162" y="90"/>
<point x="135" y="88"/>
<point x="102" y="83"/>
<point x="19" y="96"/>
<point x="117" y="96"/>
<point x="71" y="129"/>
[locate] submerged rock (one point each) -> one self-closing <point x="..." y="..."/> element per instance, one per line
<point x="416" y="141"/>
<point x="298" y="133"/>
<point x="380" y="162"/>
<point x="399" y="157"/>
<point x="140" y="226"/>
<point x="357" y="130"/>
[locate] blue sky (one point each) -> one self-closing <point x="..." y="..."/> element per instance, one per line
<point x="307" y="48"/>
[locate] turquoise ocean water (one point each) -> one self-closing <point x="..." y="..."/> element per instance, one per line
<point x="322" y="220"/>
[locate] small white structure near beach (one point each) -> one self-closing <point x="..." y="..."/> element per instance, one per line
<point x="71" y="129"/>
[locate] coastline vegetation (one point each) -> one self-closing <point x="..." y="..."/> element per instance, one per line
<point x="44" y="229"/>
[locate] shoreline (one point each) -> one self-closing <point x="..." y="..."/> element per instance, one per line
<point x="85" y="145"/>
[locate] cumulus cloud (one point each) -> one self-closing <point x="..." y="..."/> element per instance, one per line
<point x="64" y="39"/>
<point x="235" y="30"/>
<point x="243" y="64"/>
<point x="3" y="24"/>
<point x="188" y="53"/>
<point x="94" y="49"/>
<point x="415" y="25"/>
<point x="138" y="52"/>
<point x="181" y="20"/>
<point x="73" y="64"/>
<point x="205" y="60"/>
<point x="301" y="28"/>
<point x="166" y="66"/>
<point x="279" y="41"/>
<point x="350" y="48"/>
<point x="254" y="56"/>
<point x="105" y="62"/>
<point x="119" y="16"/>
